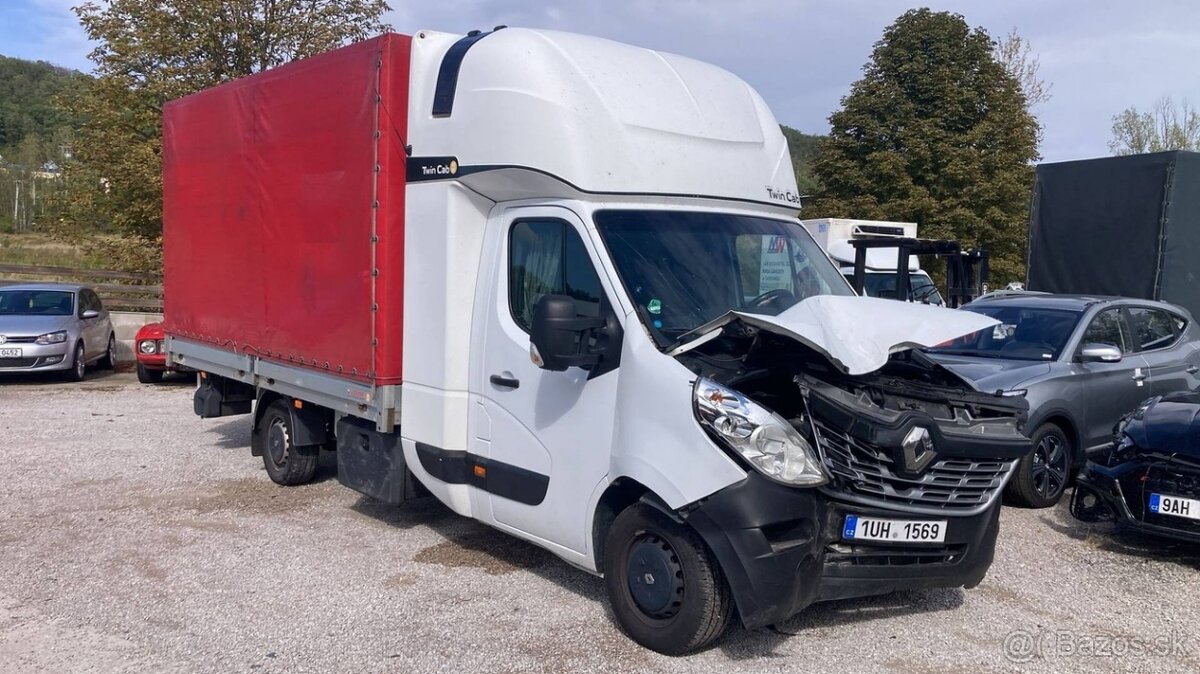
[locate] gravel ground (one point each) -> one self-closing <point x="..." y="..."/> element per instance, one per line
<point x="135" y="537"/>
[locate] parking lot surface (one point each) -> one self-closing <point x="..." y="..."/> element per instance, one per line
<point x="135" y="537"/>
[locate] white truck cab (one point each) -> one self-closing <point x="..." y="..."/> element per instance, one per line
<point x="620" y="344"/>
<point x="835" y="236"/>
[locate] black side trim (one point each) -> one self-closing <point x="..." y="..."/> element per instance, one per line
<point x="495" y="477"/>
<point x="447" y="81"/>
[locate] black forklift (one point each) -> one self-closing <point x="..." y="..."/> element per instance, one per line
<point x="966" y="271"/>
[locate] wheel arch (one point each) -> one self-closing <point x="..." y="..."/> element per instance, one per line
<point x="1064" y="420"/>
<point x="309" y="424"/>
<point x="620" y="494"/>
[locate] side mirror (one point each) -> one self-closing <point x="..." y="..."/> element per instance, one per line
<point x="1099" y="353"/>
<point x="559" y="336"/>
<point x="90" y="313"/>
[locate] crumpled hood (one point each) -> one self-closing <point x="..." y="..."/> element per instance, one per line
<point x="990" y="374"/>
<point x="1168" y="424"/>
<point x="857" y="334"/>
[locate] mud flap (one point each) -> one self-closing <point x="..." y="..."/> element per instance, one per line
<point x="372" y="463"/>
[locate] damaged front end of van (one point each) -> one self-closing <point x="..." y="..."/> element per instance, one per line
<point x="871" y="468"/>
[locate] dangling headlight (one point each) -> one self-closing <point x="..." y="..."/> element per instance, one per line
<point x="759" y="435"/>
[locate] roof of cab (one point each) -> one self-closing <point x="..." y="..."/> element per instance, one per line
<point x="597" y="115"/>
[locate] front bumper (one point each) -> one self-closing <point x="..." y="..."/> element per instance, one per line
<point x="781" y="549"/>
<point x="37" y="357"/>
<point x="153" y="361"/>
<point x="1120" y="494"/>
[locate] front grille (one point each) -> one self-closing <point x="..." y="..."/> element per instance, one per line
<point x="869" y="473"/>
<point x="20" y="340"/>
<point x="868" y="555"/>
<point x="17" y="362"/>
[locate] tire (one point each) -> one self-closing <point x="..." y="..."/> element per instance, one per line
<point x="286" y="463"/>
<point x="149" y="376"/>
<point x="78" y="365"/>
<point x="686" y="605"/>
<point x="1042" y="476"/>
<point x="109" y="361"/>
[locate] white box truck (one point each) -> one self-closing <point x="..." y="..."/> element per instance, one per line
<point x="558" y="283"/>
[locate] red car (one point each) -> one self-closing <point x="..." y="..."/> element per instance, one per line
<point x="151" y="353"/>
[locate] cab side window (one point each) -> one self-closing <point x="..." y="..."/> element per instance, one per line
<point x="1154" y="329"/>
<point x="1108" y="328"/>
<point x="547" y="257"/>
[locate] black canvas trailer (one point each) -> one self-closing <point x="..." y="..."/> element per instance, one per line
<point x="1118" y="226"/>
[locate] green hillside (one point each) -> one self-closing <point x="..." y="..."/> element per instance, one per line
<point x="804" y="150"/>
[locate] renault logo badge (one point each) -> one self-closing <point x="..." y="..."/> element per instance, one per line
<point x="918" y="449"/>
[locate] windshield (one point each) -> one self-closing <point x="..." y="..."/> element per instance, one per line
<point x="36" y="303"/>
<point x="684" y="269"/>
<point x="883" y="284"/>
<point x="1023" y="334"/>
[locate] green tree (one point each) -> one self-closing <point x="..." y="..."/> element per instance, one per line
<point x="151" y="51"/>
<point x="936" y="132"/>
<point x="1166" y="126"/>
<point x="803" y="147"/>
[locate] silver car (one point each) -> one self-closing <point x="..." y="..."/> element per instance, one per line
<point x="1083" y="363"/>
<point x="54" y="327"/>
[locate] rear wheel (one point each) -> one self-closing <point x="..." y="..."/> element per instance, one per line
<point x="667" y="591"/>
<point x="1042" y="476"/>
<point x="147" y="376"/>
<point x="78" y="365"/>
<point x="286" y="463"/>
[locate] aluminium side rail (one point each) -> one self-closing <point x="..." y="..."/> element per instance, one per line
<point x="380" y="404"/>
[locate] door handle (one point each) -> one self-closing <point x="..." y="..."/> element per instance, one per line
<point x="504" y="382"/>
<point x="1139" y="377"/>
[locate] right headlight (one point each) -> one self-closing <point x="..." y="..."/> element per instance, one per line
<point x="147" y="346"/>
<point x="765" y="440"/>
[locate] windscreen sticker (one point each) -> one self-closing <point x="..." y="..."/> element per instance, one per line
<point x="654" y="306"/>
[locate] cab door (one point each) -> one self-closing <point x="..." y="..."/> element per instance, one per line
<point x="548" y="434"/>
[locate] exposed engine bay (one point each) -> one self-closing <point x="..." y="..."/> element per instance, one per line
<point x="910" y="435"/>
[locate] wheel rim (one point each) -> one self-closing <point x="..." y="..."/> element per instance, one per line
<point x="277" y="441"/>
<point x="655" y="577"/>
<point x="80" y="366"/>
<point x="1050" y="466"/>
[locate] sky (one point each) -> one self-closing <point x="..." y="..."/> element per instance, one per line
<point x="1099" y="56"/>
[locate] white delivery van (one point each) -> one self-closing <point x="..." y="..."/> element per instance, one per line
<point x="559" y="283"/>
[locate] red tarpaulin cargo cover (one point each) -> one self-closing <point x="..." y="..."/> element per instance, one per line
<point x="283" y="212"/>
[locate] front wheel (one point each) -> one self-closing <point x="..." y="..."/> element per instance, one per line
<point x="286" y="463"/>
<point x="667" y="591"/>
<point x="147" y="376"/>
<point x="1042" y="476"/>
<point x="78" y="365"/>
